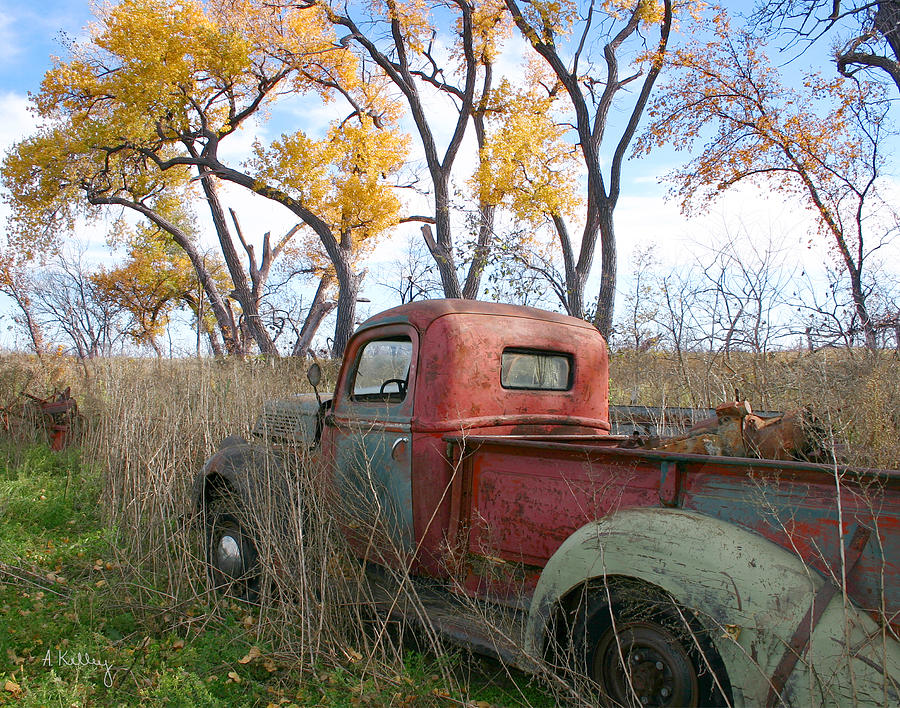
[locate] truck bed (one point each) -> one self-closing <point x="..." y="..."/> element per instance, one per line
<point x="517" y="498"/>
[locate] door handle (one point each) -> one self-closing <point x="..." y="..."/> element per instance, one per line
<point x="398" y="446"/>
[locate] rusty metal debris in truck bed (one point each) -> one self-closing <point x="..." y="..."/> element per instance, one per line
<point x="735" y="431"/>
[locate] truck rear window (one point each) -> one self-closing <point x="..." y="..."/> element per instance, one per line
<point x="536" y="370"/>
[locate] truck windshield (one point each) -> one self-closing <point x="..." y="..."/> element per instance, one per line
<point x="383" y="370"/>
<point x="534" y="370"/>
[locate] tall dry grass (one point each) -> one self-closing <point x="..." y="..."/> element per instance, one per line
<point x="149" y="426"/>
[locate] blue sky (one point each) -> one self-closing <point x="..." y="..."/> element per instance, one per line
<point x="30" y="33"/>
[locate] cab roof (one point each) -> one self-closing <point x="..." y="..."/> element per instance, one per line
<point x="422" y="313"/>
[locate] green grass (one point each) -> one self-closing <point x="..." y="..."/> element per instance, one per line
<point x="62" y="594"/>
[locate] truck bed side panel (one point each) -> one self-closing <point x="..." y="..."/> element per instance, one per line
<point x="527" y="496"/>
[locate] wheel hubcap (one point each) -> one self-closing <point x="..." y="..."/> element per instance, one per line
<point x="228" y="555"/>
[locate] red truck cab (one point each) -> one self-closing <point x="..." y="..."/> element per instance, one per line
<point x="419" y="372"/>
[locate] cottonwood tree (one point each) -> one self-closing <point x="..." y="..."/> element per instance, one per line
<point x="439" y="84"/>
<point x="617" y="79"/>
<point x="821" y="142"/>
<point x="164" y="84"/>
<point x="156" y="279"/>
<point x="57" y="176"/>
<point x="342" y="177"/>
<point x="869" y="31"/>
<point x="147" y="65"/>
<point x="528" y="167"/>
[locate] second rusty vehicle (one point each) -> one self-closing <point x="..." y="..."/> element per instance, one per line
<point x="473" y="439"/>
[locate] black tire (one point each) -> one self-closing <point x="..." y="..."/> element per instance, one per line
<point x="231" y="553"/>
<point x="640" y="649"/>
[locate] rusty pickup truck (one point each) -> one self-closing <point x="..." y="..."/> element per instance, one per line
<point x="475" y="438"/>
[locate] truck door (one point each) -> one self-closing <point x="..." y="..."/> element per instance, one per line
<point x="370" y="435"/>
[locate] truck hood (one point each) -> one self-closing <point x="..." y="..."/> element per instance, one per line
<point x="292" y="420"/>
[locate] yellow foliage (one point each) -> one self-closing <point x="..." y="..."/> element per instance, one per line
<point x="413" y="16"/>
<point x="158" y="69"/>
<point x="47" y="175"/>
<point x="491" y="25"/>
<point x="552" y="17"/>
<point x="155" y="279"/>
<point x="343" y="178"/>
<point x="526" y="163"/>
<point x="649" y="12"/>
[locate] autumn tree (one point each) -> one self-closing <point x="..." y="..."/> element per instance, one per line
<point x="342" y="178"/>
<point x="155" y="279"/>
<point x="56" y="177"/>
<point x="440" y="84"/>
<point x="869" y="31"/>
<point x="527" y="166"/>
<point x="617" y="79"/>
<point x="162" y="84"/>
<point x="820" y="143"/>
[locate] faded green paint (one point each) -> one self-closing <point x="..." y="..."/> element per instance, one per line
<point x="730" y="577"/>
<point x="292" y="420"/>
<point x="376" y="485"/>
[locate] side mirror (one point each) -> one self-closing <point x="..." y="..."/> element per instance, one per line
<point x="314" y="376"/>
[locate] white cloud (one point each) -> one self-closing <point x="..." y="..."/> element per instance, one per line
<point x="9" y="45"/>
<point x="17" y="122"/>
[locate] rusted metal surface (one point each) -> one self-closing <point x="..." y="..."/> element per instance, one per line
<point x="528" y="496"/>
<point x="453" y="386"/>
<point x="367" y="442"/>
<point x="458" y="384"/>
<point x="56" y="415"/>
<point x="800" y="641"/>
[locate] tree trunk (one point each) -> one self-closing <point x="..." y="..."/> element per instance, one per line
<point x="482" y="251"/>
<point x="346" y="312"/>
<point x="318" y="310"/>
<point x="859" y="304"/>
<point x="603" y="317"/>
<point x="24" y="303"/>
<point x="242" y="291"/>
<point x="442" y="249"/>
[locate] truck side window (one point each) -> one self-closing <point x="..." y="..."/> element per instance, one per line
<point x="382" y="373"/>
<point x="536" y="370"/>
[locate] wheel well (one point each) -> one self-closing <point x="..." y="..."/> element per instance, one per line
<point x="568" y="607"/>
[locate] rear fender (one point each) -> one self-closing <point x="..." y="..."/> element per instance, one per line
<point x="749" y="593"/>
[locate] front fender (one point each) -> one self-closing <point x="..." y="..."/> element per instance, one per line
<point x="242" y="468"/>
<point x="750" y="593"/>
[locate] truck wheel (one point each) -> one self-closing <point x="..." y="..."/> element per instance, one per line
<point x="230" y="552"/>
<point x="645" y="651"/>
